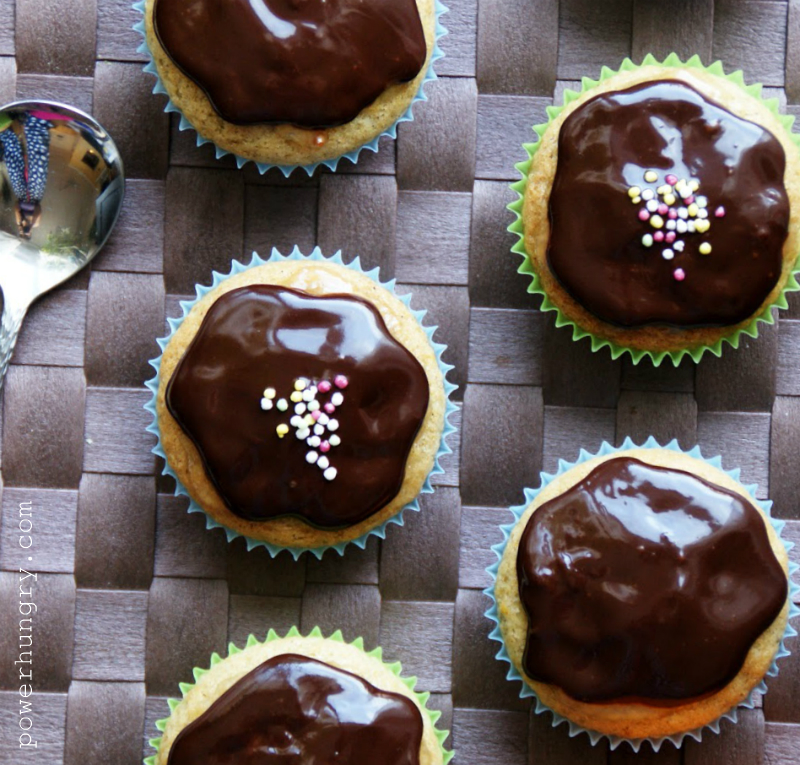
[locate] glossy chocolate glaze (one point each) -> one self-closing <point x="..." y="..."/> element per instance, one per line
<point x="646" y="583"/>
<point x="595" y="249"/>
<point x="263" y="335"/>
<point x="293" y="710"/>
<point x="310" y="63"/>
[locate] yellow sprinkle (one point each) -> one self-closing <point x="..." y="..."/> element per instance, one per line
<point x="669" y="199"/>
<point x="300" y="385"/>
<point x="651" y="176"/>
<point x="694" y="185"/>
<point x="634" y="191"/>
<point x="296" y="396"/>
<point x="665" y="189"/>
<point x="309" y="420"/>
<point x="269" y="392"/>
<point x="701" y="225"/>
<point x="636" y="200"/>
<point x="657" y="221"/>
<point x="692" y="210"/>
<point x="705" y="248"/>
<point x="282" y="430"/>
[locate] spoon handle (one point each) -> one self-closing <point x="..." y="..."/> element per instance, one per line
<point x="13" y="314"/>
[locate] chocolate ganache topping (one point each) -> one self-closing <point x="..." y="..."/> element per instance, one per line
<point x="666" y="209"/>
<point x="646" y="583"/>
<point x="299" y="405"/>
<point x="294" y="710"/>
<point x="310" y="63"/>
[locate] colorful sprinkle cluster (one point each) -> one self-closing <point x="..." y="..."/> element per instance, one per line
<point x="673" y="209"/>
<point x="313" y="419"/>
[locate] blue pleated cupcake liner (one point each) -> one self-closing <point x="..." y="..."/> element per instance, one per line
<point x="438" y="348"/>
<point x="527" y="691"/>
<point x="390" y="132"/>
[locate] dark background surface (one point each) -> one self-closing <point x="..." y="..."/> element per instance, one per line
<point x="133" y="592"/>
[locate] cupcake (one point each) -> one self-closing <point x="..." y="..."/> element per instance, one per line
<point x="301" y="404"/>
<point x="643" y="594"/>
<point x="300" y="698"/>
<point x="292" y="84"/>
<point x="661" y="210"/>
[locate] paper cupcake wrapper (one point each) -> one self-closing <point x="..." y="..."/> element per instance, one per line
<point x="395" y="667"/>
<point x="596" y="736"/>
<point x="390" y="132"/>
<point x="438" y="348"/>
<point x="578" y="332"/>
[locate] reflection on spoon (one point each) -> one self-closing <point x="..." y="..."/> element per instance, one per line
<point x="61" y="189"/>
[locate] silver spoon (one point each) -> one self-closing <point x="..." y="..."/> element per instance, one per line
<point x="61" y="189"/>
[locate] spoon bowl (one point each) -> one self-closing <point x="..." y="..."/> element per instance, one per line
<point x="61" y="189"/>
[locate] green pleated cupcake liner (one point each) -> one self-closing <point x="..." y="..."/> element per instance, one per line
<point x="438" y="348"/>
<point x="377" y="653"/>
<point x="596" y="736"/>
<point x="371" y="145"/>
<point x="578" y="333"/>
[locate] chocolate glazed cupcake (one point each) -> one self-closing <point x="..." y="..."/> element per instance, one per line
<point x="661" y="211"/>
<point x="301" y="404"/>
<point x="643" y="594"/>
<point x="286" y="83"/>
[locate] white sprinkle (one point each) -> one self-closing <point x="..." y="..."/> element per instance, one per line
<point x="668" y="254"/>
<point x="269" y="393"/>
<point x="702" y="201"/>
<point x="647" y="195"/>
<point x="323" y="419"/>
<point x="337" y="399"/>
<point x="296" y="421"/>
<point x="691" y="226"/>
<point x="318" y="430"/>
<point x="300" y="408"/>
<point x="282" y="404"/>
<point x="334" y="440"/>
<point x="683" y="212"/>
<point x="647" y="240"/>
<point x="303" y="433"/>
<point x="702" y="213"/>
<point x="313" y="405"/>
<point x="330" y="474"/>
<point x="314" y="441"/>
<point x="679" y="245"/>
<point x="681" y="227"/>
<point x="311" y="457"/>
<point x="652" y="205"/>
<point x="266" y="404"/>
<point x="323" y="462"/>
<point x="685" y="192"/>
<point x="307" y="394"/>
<point x="670" y="225"/>
<point x="333" y="425"/>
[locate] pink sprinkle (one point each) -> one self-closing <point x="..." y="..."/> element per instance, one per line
<point x="316" y="415"/>
<point x="323" y="386"/>
<point x="329" y="408"/>
<point x="324" y="447"/>
<point x="644" y="215"/>
<point x="689" y="200"/>
<point x="679" y="274"/>
<point x="658" y="236"/>
<point x="669" y="237"/>
<point x="719" y="212"/>
<point x="671" y="180"/>
<point x="340" y="381"/>
<point x="672" y="213"/>
<point x="663" y="209"/>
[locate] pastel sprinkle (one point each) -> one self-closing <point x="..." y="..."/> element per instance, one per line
<point x="679" y="274"/>
<point x="315" y="414"/>
<point x="679" y="245"/>
<point x="647" y="240"/>
<point x="337" y="399"/>
<point x="308" y="394"/>
<point x="296" y="396"/>
<point x="671" y="225"/>
<point x="296" y="421"/>
<point x="670" y="237"/>
<point x="702" y="225"/>
<point x="651" y="176"/>
<point x="340" y="381"/>
<point x="719" y="212"/>
<point x="657" y="221"/>
<point x="329" y="473"/>
<point x="323" y="462"/>
<point x="282" y="430"/>
<point x="671" y="179"/>
<point x="313" y="405"/>
<point x="694" y="184"/>
<point x="658" y="236"/>
<point x="313" y="441"/>
<point x="324" y="446"/>
<point x="333" y="425"/>
<point x="702" y="201"/>
<point x="691" y="226"/>
<point x="690" y="200"/>
<point x="681" y="226"/>
<point x="647" y="194"/>
<point x="323" y="419"/>
<point x="634" y="191"/>
<point x="335" y="440"/>
<point x="300" y="408"/>
<point x="683" y="213"/>
<point x="318" y="430"/>
<point x="705" y="248"/>
<point x="667" y="254"/>
<point x="311" y="457"/>
<point x="672" y="214"/>
<point x="692" y="209"/>
<point x="329" y="408"/>
<point x="663" y="209"/>
<point x="303" y="433"/>
<point x="300" y="384"/>
<point x="644" y="215"/>
<point x="266" y="404"/>
<point x="636" y="200"/>
<point x="669" y="199"/>
<point x="665" y="189"/>
<point x="269" y="393"/>
<point x="309" y="420"/>
<point x="324" y="386"/>
<point x="282" y="405"/>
